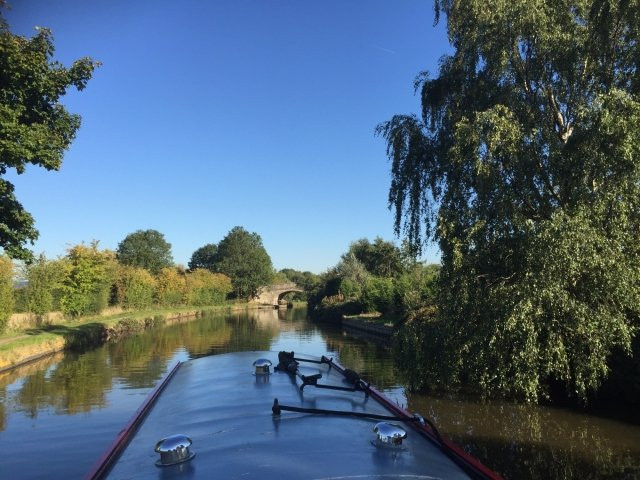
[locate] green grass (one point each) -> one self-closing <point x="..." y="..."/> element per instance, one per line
<point x="27" y="340"/>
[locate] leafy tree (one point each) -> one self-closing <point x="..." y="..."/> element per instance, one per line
<point x="242" y="257"/>
<point x="380" y="258"/>
<point x="305" y="280"/>
<point x="525" y="167"/>
<point x="35" y="128"/>
<point x="351" y="268"/>
<point x="278" y="278"/>
<point x="88" y="278"/>
<point x="204" y="257"/>
<point x="6" y="291"/>
<point x="145" y="249"/>
<point x="339" y="291"/>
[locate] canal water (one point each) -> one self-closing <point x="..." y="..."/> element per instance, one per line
<point x="59" y="414"/>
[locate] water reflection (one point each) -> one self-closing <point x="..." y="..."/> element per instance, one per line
<point x="75" y="404"/>
<point x="79" y="382"/>
<point x="76" y="384"/>
<point x="528" y="441"/>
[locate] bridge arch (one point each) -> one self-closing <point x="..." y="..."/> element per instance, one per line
<point x="271" y="294"/>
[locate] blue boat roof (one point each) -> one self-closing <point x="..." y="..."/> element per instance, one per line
<point x="225" y="408"/>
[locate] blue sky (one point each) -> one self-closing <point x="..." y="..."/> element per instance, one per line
<point x="210" y="114"/>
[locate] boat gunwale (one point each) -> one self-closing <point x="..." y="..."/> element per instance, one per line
<point x="469" y="463"/>
<point x="106" y="461"/>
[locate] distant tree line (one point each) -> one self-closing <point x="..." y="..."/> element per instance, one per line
<point x="373" y="277"/>
<point x="88" y="279"/>
<point x="140" y="274"/>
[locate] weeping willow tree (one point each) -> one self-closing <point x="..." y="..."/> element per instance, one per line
<point x="524" y="166"/>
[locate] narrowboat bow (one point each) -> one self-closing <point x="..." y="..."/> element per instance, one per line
<point x="267" y="415"/>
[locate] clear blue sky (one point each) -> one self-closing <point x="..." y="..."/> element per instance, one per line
<point x="209" y="114"/>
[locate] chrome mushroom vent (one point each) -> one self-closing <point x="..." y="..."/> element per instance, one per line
<point x="174" y="450"/>
<point x="262" y="366"/>
<point x="389" y="434"/>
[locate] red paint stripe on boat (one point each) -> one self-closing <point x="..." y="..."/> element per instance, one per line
<point x="447" y="444"/>
<point x="471" y="464"/>
<point x="105" y="462"/>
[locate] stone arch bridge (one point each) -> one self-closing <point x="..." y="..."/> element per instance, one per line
<point x="271" y="294"/>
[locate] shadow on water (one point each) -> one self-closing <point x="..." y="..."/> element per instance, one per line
<point x="77" y="402"/>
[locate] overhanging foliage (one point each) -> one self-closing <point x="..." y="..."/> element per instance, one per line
<point x="525" y="168"/>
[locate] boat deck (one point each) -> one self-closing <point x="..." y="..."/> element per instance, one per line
<point x="226" y="410"/>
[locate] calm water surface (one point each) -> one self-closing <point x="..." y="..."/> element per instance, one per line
<point x="58" y="415"/>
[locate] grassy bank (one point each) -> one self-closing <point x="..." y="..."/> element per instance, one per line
<point x="19" y="347"/>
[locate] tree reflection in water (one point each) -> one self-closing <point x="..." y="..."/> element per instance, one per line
<point x="79" y="382"/>
<point x="531" y="442"/>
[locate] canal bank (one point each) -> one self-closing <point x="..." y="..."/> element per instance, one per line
<point x="368" y="329"/>
<point x="34" y="343"/>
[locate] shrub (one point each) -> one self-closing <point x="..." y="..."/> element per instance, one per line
<point x="171" y="287"/>
<point x="331" y="287"/>
<point x="21" y="300"/>
<point x="206" y="288"/>
<point x="350" y="288"/>
<point x="378" y="294"/>
<point x="416" y="288"/>
<point x="6" y="291"/>
<point x="45" y="279"/>
<point x="88" y="276"/>
<point x="135" y="287"/>
<point x="331" y="309"/>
